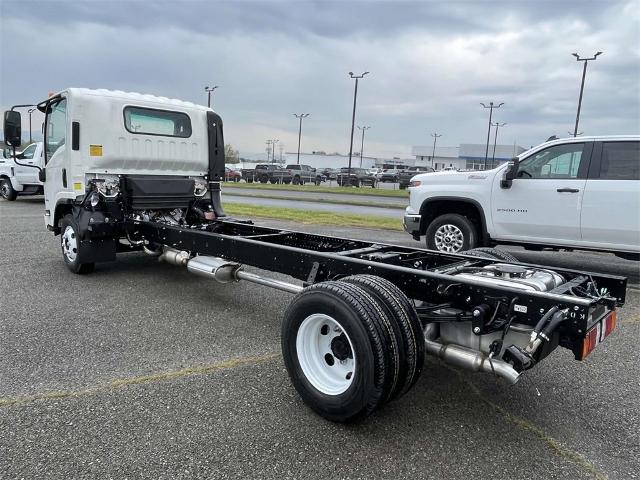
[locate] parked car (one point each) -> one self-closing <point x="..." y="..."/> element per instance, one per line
<point x="302" y="174"/>
<point x="405" y="175"/>
<point x="390" y="175"/>
<point x="18" y="179"/>
<point x="231" y="175"/>
<point x="568" y="193"/>
<point x="359" y="177"/>
<point x="266" y="172"/>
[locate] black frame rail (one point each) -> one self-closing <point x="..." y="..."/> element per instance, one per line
<point x="421" y="274"/>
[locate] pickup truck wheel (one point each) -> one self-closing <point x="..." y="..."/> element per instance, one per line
<point x="264" y="179"/>
<point x="338" y="352"/>
<point x="407" y="327"/>
<point x="7" y="191"/>
<point x="249" y="180"/>
<point x="451" y="233"/>
<point x="493" y="254"/>
<point x="356" y="183"/>
<point x="318" y="181"/>
<point x="70" y="243"/>
<point x="296" y="180"/>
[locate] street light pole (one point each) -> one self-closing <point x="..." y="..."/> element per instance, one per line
<point x="301" y="116"/>
<point x="362" y="145"/>
<point x="433" y="153"/>
<point x="30" y="111"/>
<point x="584" y="74"/>
<point x="491" y="106"/>
<point x="209" y="91"/>
<point x="353" y="118"/>
<point x="495" y="141"/>
<point x="273" y="149"/>
<point x="268" y="142"/>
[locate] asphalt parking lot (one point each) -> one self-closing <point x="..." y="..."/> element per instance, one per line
<point x="141" y="370"/>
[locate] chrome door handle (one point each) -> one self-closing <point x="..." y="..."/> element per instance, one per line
<point x="568" y="190"/>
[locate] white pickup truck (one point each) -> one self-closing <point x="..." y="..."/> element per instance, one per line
<point x="16" y="179"/>
<point x="581" y="193"/>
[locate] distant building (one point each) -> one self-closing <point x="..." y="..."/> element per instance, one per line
<point x="467" y="156"/>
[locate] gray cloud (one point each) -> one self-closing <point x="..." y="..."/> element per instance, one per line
<point x="431" y="63"/>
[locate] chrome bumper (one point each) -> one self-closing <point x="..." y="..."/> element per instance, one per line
<point x="412" y="225"/>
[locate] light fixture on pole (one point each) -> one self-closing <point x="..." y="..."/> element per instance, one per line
<point x="273" y="149"/>
<point x="574" y="134"/>
<point x="584" y="74"/>
<point x="30" y="111"/>
<point x="301" y="116"/>
<point x="495" y="141"/>
<point x="209" y="91"/>
<point x="433" y="153"/>
<point x="491" y="106"/>
<point x="362" y="145"/>
<point x="353" y="117"/>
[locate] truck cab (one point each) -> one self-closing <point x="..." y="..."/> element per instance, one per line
<point x="567" y="193"/>
<point x="18" y="176"/>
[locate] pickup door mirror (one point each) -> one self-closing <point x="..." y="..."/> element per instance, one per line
<point x="510" y="173"/>
<point x="12" y="128"/>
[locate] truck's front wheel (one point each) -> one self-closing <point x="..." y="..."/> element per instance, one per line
<point x="70" y="243"/>
<point x="7" y="191"/>
<point x="451" y="233"/>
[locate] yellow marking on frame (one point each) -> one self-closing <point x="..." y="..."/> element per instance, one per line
<point x="77" y="186"/>
<point x="95" y="150"/>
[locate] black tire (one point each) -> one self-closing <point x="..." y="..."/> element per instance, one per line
<point x="7" y="191"/>
<point x="407" y="327"/>
<point x="493" y="254"/>
<point x="296" y="180"/>
<point x="264" y="179"/>
<point x="356" y="183"/>
<point x="249" y="180"/>
<point x="318" y="181"/>
<point x="375" y="350"/>
<point x="462" y="224"/>
<point x="76" y="265"/>
<point x="374" y="184"/>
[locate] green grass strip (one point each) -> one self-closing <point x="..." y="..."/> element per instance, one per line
<point x="308" y="217"/>
<point x="357" y="203"/>
<point x="363" y="191"/>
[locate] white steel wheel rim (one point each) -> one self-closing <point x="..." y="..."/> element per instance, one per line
<point x="69" y="244"/>
<point x="449" y="238"/>
<point x="316" y="350"/>
<point x="4" y="190"/>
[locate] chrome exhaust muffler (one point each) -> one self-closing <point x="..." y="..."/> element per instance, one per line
<point x="466" y="358"/>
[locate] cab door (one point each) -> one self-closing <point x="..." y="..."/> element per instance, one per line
<point x="58" y="183"/>
<point x="30" y="156"/>
<point x="544" y="202"/>
<point x="611" y="205"/>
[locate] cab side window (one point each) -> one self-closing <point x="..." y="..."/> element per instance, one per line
<point x="56" y="128"/>
<point x="620" y="161"/>
<point x="559" y="161"/>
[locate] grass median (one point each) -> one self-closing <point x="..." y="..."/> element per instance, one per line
<point x="363" y="191"/>
<point x="313" y="217"/>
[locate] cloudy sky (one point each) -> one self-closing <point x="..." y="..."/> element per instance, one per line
<point x="431" y="65"/>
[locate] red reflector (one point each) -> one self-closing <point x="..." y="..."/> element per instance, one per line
<point x="597" y="334"/>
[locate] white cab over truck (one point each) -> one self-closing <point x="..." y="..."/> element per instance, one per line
<point x="20" y="177"/>
<point x="581" y="193"/>
<point x="128" y="172"/>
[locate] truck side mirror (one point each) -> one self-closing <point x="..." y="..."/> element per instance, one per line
<point x="12" y="128"/>
<point x="510" y="173"/>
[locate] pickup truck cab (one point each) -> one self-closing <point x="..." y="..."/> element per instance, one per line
<point x="16" y="179"/>
<point x="265" y="173"/>
<point x="302" y="174"/>
<point x="568" y="193"/>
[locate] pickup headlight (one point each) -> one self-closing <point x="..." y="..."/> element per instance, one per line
<point x="415" y="183"/>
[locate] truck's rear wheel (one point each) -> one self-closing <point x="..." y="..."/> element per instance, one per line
<point x="7" y="191"/>
<point x="338" y="351"/>
<point x="451" y="233"/>
<point x="71" y="251"/>
<point x="296" y="180"/>
<point x="407" y="327"/>
<point x="264" y="179"/>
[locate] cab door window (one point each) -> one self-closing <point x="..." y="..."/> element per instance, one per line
<point x="28" y="152"/>
<point x="620" y="161"/>
<point x="56" y="129"/>
<point x="559" y="161"/>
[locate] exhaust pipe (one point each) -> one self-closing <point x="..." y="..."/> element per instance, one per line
<point x="466" y="358"/>
<point x="224" y="271"/>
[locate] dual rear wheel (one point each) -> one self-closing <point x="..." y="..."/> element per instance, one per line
<point x="350" y="346"/>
